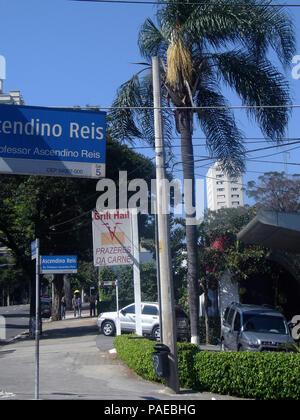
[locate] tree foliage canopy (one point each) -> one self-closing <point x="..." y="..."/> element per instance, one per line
<point x="276" y="191"/>
<point x="58" y="210"/>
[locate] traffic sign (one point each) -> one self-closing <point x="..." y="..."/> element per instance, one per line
<point x="108" y="283"/>
<point x="52" y="142"/>
<point x="58" y="264"/>
<point x="33" y="249"/>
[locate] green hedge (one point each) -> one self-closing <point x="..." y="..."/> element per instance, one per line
<point x="250" y="374"/>
<point x="137" y="354"/>
<point x="247" y="374"/>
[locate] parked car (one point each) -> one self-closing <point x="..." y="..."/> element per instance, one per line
<point x="254" y="328"/>
<point x="150" y="321"/>
<point x="45" y="306"/>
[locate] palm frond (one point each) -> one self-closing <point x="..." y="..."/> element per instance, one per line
<point x="223" y="139"/>
<point x="257" y="83"/>
<point x="218" y="23"/>
<point x="152" y="41"/>
<point x="132" y="115"/>
<point x="122" y="115"/>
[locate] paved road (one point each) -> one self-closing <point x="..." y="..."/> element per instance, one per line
<point x="75" y="364"/>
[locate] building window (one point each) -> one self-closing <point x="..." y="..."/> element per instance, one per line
<point x="235" y="203"/>
<point x="220" y="182"/>
<point x="220" y="189"/>
<point x="235" y="195"/>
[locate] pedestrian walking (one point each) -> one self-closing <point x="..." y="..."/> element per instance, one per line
<point x="63" y="307"/>
<point x="79" y="306"/>
<point x="92" y="305"/>
<point x="76" y="304"/>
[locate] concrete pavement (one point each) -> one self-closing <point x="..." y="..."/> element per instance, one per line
<point x="75" y="364"/>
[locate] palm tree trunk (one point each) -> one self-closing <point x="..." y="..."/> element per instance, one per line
<point x="184" y="126"/>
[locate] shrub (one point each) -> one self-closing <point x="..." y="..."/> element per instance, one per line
<point x="137" y="352"/>
<point x="186" y="373"/>
<point x="248" y="374"/>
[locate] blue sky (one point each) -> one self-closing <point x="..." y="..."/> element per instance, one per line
<point x="65" y="53"/>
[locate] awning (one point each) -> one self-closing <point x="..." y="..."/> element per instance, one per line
<point x="273" y="230"/>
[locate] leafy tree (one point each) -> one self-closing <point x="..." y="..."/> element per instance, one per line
<point x="276" y="191"/>
<point x="249" y="265"/>
<point x="126" y="288"/>
<point x="202" y="45"/>
<point x="86" y="277"/>
<point x="58" y="211"/>
<point x="10" y="279"/>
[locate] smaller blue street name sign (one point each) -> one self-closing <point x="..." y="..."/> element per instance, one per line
<point x="33" y="249"/>
<point x="58" y="264"/>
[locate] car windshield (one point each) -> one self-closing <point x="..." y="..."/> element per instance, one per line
<point x="264" y="324"/>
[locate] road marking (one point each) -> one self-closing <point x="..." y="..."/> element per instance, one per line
<point x="4" y="394"/>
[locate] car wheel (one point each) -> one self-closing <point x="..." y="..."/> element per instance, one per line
<point x="156" y="333"/>
<point x="108" y="328"/>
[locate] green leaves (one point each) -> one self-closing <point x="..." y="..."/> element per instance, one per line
<point x="257" y="83"/>
<point x="276" y="191"/>
<point x="233" y="39"/>
<point x="255" y="375"/>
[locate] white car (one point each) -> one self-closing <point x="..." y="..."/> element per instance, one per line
<point x="150" y="321"/>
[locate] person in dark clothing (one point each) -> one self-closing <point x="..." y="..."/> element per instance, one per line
<point x="92" y="305"/>
<point x="63" y="307"/>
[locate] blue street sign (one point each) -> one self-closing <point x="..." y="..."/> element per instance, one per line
<point x="33" y="249"/>
<point x="58" y="264"/>
<point x="51" y="141"/>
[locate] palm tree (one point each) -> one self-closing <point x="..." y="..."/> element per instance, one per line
<point x="202" y="46"/>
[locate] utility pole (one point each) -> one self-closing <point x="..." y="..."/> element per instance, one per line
<point x="136" y="272"/>
<point x="166" y="277"/>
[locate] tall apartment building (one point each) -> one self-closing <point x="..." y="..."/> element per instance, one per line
<point x="223" y="191"/>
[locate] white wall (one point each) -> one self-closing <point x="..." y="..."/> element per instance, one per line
<point x="228" y="292"/>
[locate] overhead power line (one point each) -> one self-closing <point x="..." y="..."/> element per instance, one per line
<point x="191" y="3"/>
<point x="262" y="107"/>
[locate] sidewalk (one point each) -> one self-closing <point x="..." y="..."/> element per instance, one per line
<point x="85" y="313"/>
<point x="75" y="364"/>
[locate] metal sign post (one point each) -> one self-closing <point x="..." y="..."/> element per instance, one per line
<point x="37" y="318"/>
<point x="118" y="315"/>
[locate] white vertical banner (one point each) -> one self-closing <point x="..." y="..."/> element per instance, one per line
<point x="118" y="315"/>
<point x="116" y="242"/>
<point x="112" y="237"/>
<point x="136" y="272"/>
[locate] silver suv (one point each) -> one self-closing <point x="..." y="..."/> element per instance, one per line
<point x="150" y="321"/>
<point x="254" y="328"/>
